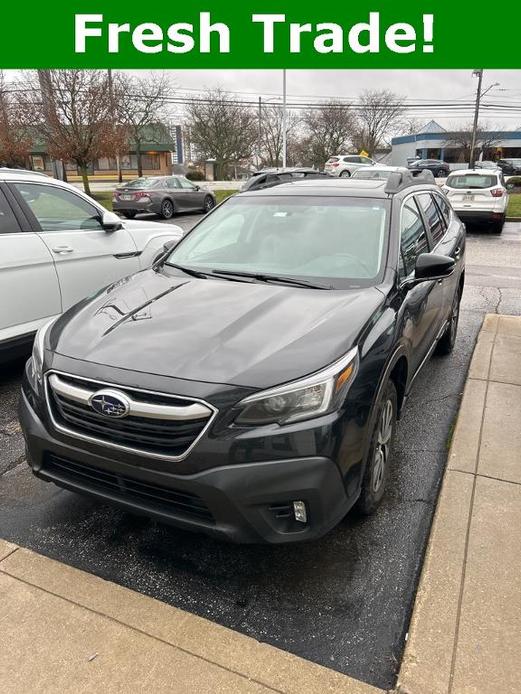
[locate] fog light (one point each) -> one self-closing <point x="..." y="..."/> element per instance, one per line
<point x="299" y="509"/>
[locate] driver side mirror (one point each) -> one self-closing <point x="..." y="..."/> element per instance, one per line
<point x="433" y="267"/>
<point x="110" y="221"/>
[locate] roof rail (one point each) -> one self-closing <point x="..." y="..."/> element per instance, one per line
<point x="399" y="180"/>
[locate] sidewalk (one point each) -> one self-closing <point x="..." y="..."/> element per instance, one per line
<point x="63" y="630"/>
<point x="465" y="633"/>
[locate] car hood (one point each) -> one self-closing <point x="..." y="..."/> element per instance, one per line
<point x="214" y="330"/>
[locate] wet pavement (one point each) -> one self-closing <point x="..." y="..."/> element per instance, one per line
<point x="343" y="601"/>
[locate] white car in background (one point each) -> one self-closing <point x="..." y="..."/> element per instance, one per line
<point x="344" y="165"/>
<point x="479" y="196"/>
<point x="58" y="246"/>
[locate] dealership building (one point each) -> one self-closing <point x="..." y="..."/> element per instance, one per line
<point x="435" y="142"/>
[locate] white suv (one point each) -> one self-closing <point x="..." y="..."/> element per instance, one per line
<point x="478" y="195"/>
<point x="58" y="246"/>
<point x="343" y="165"/>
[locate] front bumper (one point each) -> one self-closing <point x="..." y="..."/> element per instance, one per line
<point x="250" y="502"/>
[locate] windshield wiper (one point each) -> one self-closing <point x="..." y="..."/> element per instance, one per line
<point x="272" y="278"/>
<point x="190" y="271"/>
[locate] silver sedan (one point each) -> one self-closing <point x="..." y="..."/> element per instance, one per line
<point x="162" y="195"/>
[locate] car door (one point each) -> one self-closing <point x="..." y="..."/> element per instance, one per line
<point x="452" y="244"/>
<point x="29" y="287"/>
<point x="419" y="300"/>
<point x="86" y="256"/>
<point x="436" y="228"/>
<point x="193" y="196"/>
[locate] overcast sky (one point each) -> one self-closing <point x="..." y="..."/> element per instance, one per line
<point x="428" y="85"/>
<point x="415" y="85"/>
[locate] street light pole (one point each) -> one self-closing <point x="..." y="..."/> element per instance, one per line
<point x="476" y="117"/>
<point x="284" y="122"/>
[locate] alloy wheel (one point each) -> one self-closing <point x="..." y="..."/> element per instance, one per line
<point x="383" y="445"/>
<point x="167" y="209"/>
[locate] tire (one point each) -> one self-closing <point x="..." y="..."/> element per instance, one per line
<point x="128" y="214"/>
<point x="209" y="203"/>
<point x="448" y="339"/>
<point x="378" y="464"/>
<point x="167" y="209"/>
<point x="345" y="174"/>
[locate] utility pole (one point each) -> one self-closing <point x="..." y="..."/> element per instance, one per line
<point x="259" y="134"/>
<point x="479" y="73"/>
<point x="111" y="96"/>
<point x="284" y="122"/>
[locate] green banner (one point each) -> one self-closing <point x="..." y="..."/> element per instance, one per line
<point x="260" y="34"/>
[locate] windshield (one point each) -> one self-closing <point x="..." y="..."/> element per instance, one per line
<point x="471" y="181"/>
<point x="140" y="183"/>
<point x="292" y="236"/>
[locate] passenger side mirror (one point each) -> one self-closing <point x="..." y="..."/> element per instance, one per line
<point x="197" y="187"/>
<point x="110" y="221"/>
<point x="167" y="247"/>
<point x="433" y="267"/>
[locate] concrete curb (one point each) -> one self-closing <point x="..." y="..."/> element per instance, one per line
<point x="465" y="631"/>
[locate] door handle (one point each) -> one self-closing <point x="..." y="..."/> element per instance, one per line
<point x="457" y="253"/>
<point x="62" y="249"/>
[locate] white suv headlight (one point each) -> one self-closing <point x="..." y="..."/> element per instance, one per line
<point x="314" y="395"/>
<point x="38" y="349"/>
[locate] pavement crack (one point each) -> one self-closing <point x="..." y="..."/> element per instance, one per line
<point x="500" y="299"/>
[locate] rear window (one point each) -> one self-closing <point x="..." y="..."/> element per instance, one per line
<point x="333" y="159"/>
<point x="434" y="220"/>
<point x="472" y="181"/>
<point x="140" y="183"/>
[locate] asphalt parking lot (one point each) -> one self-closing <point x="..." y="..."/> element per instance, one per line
<point x="343" y="601"/>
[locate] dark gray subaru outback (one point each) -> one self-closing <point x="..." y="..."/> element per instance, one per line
<point x="248" y="385"/>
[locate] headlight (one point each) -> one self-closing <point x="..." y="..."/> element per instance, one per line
<point x="38" y="350"/>
<point x="312" y="396"/>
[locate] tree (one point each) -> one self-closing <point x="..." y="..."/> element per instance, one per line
<point x="461" y="137"/>
<point x="15" y="135"/>
<point x="142" y="104"/>
<point x="379" y="114"/>
<point x="272" y="133"/>
<point x="72" y="112"/>
<point x="223" y="129"/>
<point x="328" y="130"/>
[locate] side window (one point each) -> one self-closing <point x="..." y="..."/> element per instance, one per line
<point x="435" y="221"/>
<point x="172" y="182"/>
<point x="285" y="177"/>
<point x="413" y="239"/>
<point x="445" y="208"/>
<point x="57" y="209"/>
<point x="185" y="184"/>
<point x="366" y="160"/>
<point x="352" y="160"/>
<point x="8" y="223"/>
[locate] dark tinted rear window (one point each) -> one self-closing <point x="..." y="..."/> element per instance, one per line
<point x="434" y="220"/>
<point x="8" y="223"/>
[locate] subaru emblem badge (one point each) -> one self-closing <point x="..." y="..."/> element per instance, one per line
<point x="110" y="403"/>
